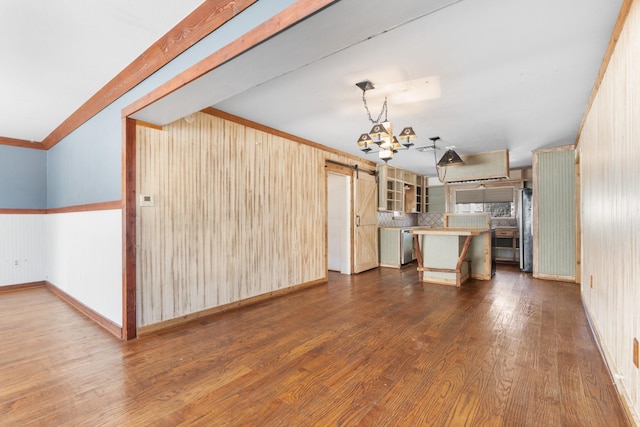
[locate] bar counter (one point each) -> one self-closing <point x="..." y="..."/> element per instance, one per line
<point x="449" y="256"/>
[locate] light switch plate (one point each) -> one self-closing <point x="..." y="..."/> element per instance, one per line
<point x="146" y="200"/>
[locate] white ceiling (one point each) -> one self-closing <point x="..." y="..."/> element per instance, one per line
<point x="58" y="54"/>
<point x="502" y="74"/>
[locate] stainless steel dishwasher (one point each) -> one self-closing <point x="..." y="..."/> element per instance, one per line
<point x="406" y="248"/>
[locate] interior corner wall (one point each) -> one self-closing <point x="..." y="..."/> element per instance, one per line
<point x="22" y="241"/>
<point x="238" y="212"/>
<point x="609" y="158"/>
<point x="22" y="249"/>
<point x="84" y="258"/>
<point x="85" y="167"/>
<point x="22" y="178"/>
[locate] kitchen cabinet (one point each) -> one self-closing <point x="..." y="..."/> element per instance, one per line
<point x="434" y="199"/>
<point x="397" y="190"/>
<point x="396" y="247"/>
<point x="419" y="194"/>
<point x="507" y="245"/>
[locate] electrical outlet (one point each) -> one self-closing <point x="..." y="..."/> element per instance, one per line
<point x="16" y="263"/>
<point x="635" y="353"/>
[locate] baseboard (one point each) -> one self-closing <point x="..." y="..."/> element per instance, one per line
<point x="554" y="277"/>
<point x="623" y="396"/>
<point x="187" y="318"/>
<point x="21" y="286"/>
<point x="107" y="324"/>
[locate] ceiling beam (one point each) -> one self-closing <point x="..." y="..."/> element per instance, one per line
<point x="21" y="143"/>
<point x="208" y="17"/>
<point x="292" y="15"/>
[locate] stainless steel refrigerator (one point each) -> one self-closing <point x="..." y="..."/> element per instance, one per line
<point x="525" y="225"/>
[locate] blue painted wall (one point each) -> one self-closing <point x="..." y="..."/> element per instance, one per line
<point x="85" y="167"/>
<point x="22" y="178"/>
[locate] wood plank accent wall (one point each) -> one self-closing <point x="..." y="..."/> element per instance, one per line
<point x="239" y="212"/>
<point x="609" y="158"/>
<point x="554" y="217"/>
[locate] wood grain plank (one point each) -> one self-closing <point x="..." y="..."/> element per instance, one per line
<point x="237" y="216"/>
<point x="209" y="16"/>
<point x="378" y="348"/>
<point x="13" y="142"/>
<point x="610" y="248"/>
<point x="288" y="17"/>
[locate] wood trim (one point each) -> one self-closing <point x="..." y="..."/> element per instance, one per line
<point x="622" y="395"/>
<point x="21" y="286"/>
<point x="578" y="204"/>
<point x="283" y="20"/>
<point x="148" y="125"/>
<point x="534" y="215"/>
<point x="23" y="211"/>
<point x="242" y="121"/>
<point x="129" y="314"/>
<point x="178" y="321"/>
<point x="21" y="143"/>
<point x="552" y="149"/>
<point x="208" y="17"/>
<point x="96" y="317"/>
<point x="613" y="41"/>
<point x="555" y="277"/>
<point x="90" y="207"/>
<point x="101" y="206"/>
<point x="293" y="14"/>
<point x="418" y="251"/>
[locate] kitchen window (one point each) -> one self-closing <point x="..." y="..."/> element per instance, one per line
<point x="497" y="201"/>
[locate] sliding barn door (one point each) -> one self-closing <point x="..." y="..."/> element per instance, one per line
<point x="365" y="245"/>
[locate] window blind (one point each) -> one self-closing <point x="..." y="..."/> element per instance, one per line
<point x="485" y="195"/>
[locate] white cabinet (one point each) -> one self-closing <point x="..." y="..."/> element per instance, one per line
<point x="396" y="247"/>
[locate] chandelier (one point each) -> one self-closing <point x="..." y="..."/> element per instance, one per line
<point x="381" y="134"/>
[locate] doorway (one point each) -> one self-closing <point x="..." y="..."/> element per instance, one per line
<point x="338" y="222"/>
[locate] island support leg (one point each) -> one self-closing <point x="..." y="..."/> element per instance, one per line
<point x="418" y="251"/>
<point x="462" y="259"/>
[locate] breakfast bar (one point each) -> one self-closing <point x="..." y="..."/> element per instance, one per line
<point x="451" y="255"/>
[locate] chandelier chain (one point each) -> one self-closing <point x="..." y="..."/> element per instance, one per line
<point x="382" y="111"/>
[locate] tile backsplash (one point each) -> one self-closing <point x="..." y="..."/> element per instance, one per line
<point x="386" y="219"/>
<point x="435" y="220"/>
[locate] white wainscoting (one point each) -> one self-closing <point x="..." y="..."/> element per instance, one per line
<point x="84" y="258"/>
<point x="22" y="249"/>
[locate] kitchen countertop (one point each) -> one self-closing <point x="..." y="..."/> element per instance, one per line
<point x="450" y="231"/>
<point x="409" y="227"/>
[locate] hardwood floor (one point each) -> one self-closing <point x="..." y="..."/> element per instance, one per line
<point x="379" y="348"/>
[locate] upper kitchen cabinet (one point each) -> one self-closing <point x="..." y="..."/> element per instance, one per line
<point x="419" y="200"/>
<point x="434" y="196"/>
<point x="398" y="190"/>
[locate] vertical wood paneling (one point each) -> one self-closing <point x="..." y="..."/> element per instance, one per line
<point x="554" y="207"/>
<point x="609" y="159"/>
<point x="22" y="249"/>
<point x="238" y="212"/>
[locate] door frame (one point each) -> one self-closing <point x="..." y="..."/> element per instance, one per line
<point x="331" y="168"/>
